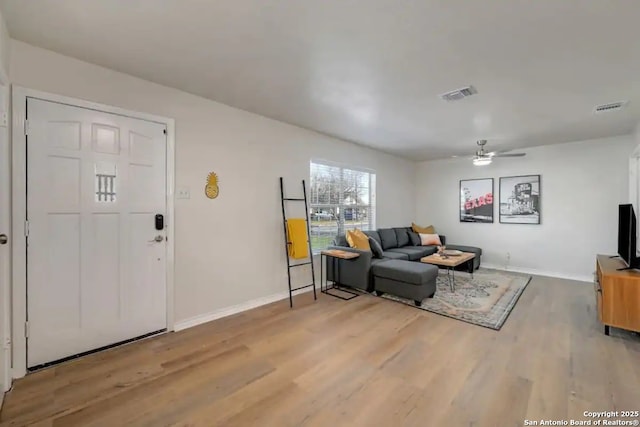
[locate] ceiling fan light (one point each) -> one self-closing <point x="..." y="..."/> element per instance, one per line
<point x="482" y="161"/>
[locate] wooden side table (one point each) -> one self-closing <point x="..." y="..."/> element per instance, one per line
<point x="336" y="255"/>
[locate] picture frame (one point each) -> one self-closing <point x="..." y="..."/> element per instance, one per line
<point x="520" y="199"/>
<point x="476" y="200"/>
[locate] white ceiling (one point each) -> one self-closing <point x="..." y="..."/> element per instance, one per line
<point x="370" y="71"/>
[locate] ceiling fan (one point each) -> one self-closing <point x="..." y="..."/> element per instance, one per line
<point x="483" y="158"/>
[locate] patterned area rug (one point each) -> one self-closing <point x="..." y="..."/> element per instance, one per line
<point x="486" y="300"/>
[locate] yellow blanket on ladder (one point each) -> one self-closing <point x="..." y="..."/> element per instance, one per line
<point x="297" y="238"/>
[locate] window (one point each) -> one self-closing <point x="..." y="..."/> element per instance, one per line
<point x="340" y="199"/>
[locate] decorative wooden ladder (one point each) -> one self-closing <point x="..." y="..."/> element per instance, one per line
<point x="284" y="199"/>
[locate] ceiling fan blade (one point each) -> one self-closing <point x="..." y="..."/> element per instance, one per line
<point x="509" y="154"/>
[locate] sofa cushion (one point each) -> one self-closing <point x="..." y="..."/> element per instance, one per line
<point x="378" y="260"/>
<point x="415" y="273"/>
<point x="341" y="241"/>
<point x="402" y="237"/>
<point x="388" y="238"/>
<point x="395" y="255"/>
<point x="375" y="248"/>
<point x="413" y="252"/>
<point x="429" y="250"/>
<point x="374" y="234"/>
<point x="415" y="238"/>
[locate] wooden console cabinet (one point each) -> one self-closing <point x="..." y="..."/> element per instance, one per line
<point x="617" y="294"/>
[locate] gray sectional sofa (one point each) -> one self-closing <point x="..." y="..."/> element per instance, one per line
<point x="397" y="243"/>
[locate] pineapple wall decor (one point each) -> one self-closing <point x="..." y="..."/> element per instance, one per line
<point x="211" y="189"/>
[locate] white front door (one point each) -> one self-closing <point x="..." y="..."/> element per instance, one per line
<point x="96" y="263"/>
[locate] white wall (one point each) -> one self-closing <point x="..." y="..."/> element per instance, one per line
<point x="228" y="250"/>
<point x="582" y="184"/>
<point x="4" y="46"/>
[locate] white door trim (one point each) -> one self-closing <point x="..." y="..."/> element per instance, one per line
<point x="634" y="182"/>
<point x="5" y="258"/>
<point x="19" y="175"/>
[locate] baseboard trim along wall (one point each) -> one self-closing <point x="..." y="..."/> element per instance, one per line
<point x="235" y="309"/>
<point x="579" y="278"/>
<point x="248" y="305"/>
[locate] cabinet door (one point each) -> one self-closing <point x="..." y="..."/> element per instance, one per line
<point x="599" y="302"/>
<point x="598" y="292"/>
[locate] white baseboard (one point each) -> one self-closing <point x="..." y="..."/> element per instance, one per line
<point x="234" y="309"/>
<point x="536" y="272"/>
<point x="248" y="305"/>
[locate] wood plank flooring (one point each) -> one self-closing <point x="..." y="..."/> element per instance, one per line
<point x="364" y="362"/>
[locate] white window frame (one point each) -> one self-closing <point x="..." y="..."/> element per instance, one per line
<point x="341" y="206"/>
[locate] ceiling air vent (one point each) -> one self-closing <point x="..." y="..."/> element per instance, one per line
<point x="458" y="94"/>
<point x="612" y="106"/>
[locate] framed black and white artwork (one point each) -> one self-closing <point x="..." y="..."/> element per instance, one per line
<point x="476" y="200"/>
<point x="520" y="199"/>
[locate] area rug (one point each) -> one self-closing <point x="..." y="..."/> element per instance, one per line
<point x="484" y="300"/>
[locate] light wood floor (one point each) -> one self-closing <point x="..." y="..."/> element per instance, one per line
<point x="365" y="362"/>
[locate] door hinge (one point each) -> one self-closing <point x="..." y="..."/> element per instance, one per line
<point x="4" y="119"/>
<point x="26" y="329"/>
<point x="26" y="127"/>
<point x="26" y="228"/>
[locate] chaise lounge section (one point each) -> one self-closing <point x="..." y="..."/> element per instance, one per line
<point x="412" y="280"/>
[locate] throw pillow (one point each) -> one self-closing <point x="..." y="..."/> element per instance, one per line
<point x="415" y="238"/>
<point x="375" y="248"/>
<point x="430" y="239"/>
<point x="358" y="240"/>
<point x="423" y="230"/>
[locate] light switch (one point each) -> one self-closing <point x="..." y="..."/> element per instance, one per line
<point x="183" y="193"/>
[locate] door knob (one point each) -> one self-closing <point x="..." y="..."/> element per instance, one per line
<point x="3" y="239"/>
<point x="158" y="239"/>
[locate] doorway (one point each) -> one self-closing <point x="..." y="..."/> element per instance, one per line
<point x="97" y="235"/>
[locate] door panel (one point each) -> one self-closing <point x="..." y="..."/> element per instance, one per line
<point x="62" y="266"/>
<point x="64" y="135"/>
<point x="141" y="256"/>
<point x="105" y="274"/>
<point x="95" y="274"/>
<point x="64" y="184"/>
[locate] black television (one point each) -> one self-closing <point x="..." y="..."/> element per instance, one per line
<point x="627" y="236"/>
